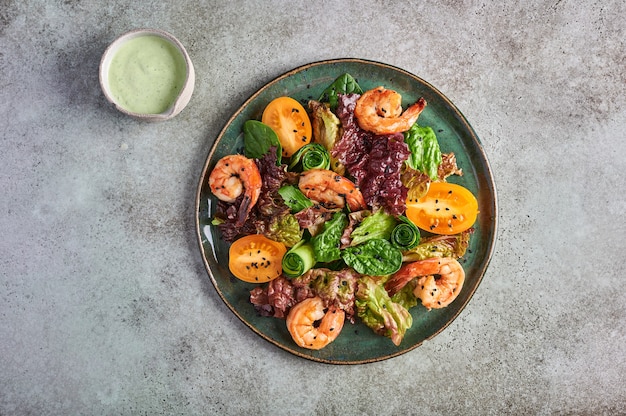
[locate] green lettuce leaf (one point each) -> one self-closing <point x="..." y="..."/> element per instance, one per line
<point x="377" y="225"/>
<point x="326" y="131"/>
<point x="439" y="246"/>
<point x="384" y="316"/>
<point x="405" y="296"/>
<point x="425" y="152"/>
<point x="285" y="229"/>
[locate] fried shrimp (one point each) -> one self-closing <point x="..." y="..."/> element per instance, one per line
<point x="379" y="111"/>
<point x="330" y="189"/>
<point x="232" y="176"/>
<point x="303" y="320"/>
<point x="439" y="281"/>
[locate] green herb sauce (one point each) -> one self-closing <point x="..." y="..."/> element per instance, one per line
<point x="147" y="74"/>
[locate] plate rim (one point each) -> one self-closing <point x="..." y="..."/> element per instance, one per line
<point x="489" y="177"/>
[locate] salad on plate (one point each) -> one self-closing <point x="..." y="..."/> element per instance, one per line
<point x="338" y="210"/>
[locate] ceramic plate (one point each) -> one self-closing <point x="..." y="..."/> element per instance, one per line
<point x="356" y="344"/>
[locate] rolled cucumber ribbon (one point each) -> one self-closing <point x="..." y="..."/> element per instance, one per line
<point x="405" y="235"/>
<point x="298" y="260"/>
<point x="310" y="156"/>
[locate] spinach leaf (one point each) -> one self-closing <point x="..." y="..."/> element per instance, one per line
<point x="425" y="152"/>
<point x="376" y="257"/>
<point x="258" y="138"/>
<point x="344" y="84"/>
<point x="326" y="244"/>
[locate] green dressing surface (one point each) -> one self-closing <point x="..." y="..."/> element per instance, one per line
<point x="147" y="74"/>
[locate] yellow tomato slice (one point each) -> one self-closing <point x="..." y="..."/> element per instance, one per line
<point x="256" y="259"/>
<point x="446" y="208"/>
<point x="291" y="123"/>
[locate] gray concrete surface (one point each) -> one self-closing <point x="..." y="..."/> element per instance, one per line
<point x="105" y="306"/>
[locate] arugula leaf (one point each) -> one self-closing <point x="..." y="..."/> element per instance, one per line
<point x="258" y="138"/>
<point x="376" y="257"/>
<point x="294" y="198"/>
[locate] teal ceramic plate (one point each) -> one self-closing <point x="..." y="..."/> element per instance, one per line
<point x="357" y="344"/>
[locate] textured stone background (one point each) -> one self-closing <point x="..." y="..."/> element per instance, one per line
<point x="105" y="306"/>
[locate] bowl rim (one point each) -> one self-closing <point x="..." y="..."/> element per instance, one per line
<point x="185" y="92"/>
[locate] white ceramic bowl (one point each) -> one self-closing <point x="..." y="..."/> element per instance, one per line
<point x="177" y="104"/>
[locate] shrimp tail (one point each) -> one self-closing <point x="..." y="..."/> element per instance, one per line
<point x="244" y="210"/>
<point x="414" y="111"/>
<point x="397" y="283"/>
